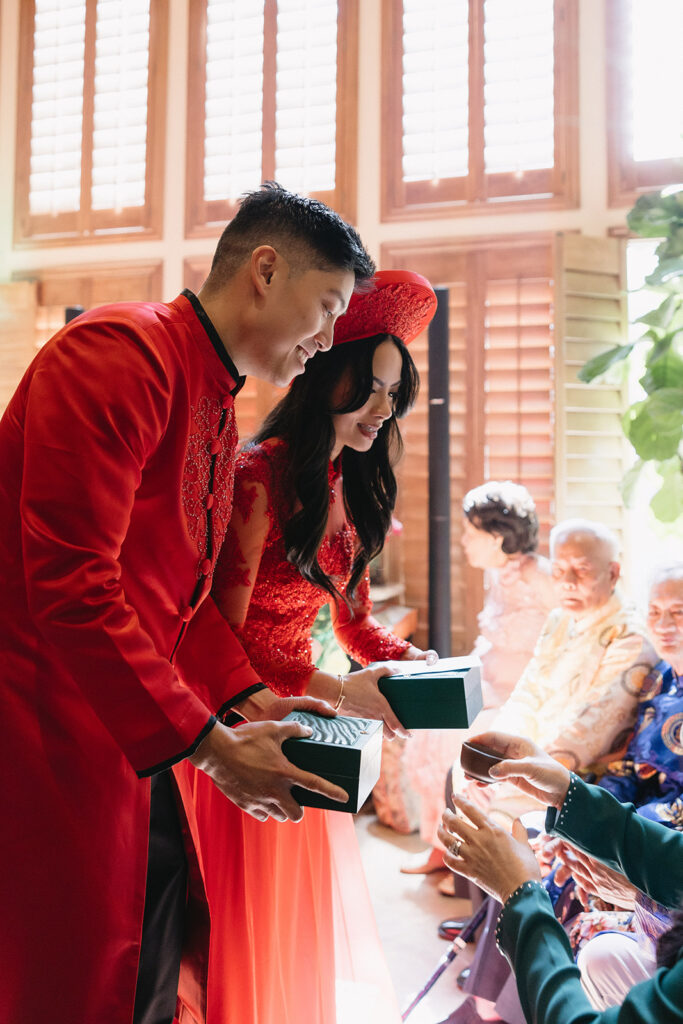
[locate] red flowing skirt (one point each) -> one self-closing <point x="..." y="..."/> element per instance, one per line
<point x="293" y="935"/>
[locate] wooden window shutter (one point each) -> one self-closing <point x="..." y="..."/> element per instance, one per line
<point x="518" y="378"/>
<point x="272" y="94"/>
<point x="591" y="451"/>
<point x="480" y="105"/>
<point x="90" y="135"/>
<point x="645" y="127"/>
<point x="500" y="403"/>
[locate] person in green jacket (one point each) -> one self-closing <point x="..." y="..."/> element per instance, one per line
<point x="528" y="934"/>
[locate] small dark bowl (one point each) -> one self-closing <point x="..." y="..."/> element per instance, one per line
<point x="476" y="759"/>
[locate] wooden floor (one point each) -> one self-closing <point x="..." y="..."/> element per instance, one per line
<point x="408" y="909"/>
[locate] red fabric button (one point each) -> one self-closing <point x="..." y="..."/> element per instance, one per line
<point x="186" y="613"/>
<point x="213" y="447"/>
<point x="209" y="500"/>
<point x="205" y="567"/>
<point x="227" y="401"/>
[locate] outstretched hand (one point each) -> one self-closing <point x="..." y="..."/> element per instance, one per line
<point x="593" y="878"/>
<point x="266" y="706"/>
<point x="249" y="768"/>
<point x="479" y="849"/>
<point x="412" y="653"/>
<point x="527" y="766"/>
<point x="362" y="697"/>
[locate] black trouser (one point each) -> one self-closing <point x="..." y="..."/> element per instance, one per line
<point x="164" y="918"/>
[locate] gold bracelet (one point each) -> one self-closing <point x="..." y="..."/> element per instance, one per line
<point x="340" y="698"/>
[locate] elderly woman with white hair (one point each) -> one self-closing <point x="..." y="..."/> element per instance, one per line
<point x="500" y="536"/>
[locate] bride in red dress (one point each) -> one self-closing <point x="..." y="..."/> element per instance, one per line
<point x="293" y="937"/>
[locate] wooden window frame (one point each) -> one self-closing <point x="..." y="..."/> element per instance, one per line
<point x="85" y="224"/>
<point x="73" y="285"/>
<point x="205" y="217"/>
<point x="479" y="192"/>
<point x="626" y="178"/>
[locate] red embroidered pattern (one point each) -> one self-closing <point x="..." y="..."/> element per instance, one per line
<point x="392" y="309"/>
<point x="277" y="632"/>
<point x="206" y="419"/>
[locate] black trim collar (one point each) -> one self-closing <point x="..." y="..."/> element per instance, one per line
<point x="215" y="339"/>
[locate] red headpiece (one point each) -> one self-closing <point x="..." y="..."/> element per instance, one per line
<point x="397" y="302"/>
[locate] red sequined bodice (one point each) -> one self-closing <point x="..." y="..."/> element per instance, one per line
<point x="276" y="631"/>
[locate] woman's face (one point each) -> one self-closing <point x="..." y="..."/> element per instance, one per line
<point x="483" y="550"/>
<point x="358" y="429"/>
<point x="665" y="621"/>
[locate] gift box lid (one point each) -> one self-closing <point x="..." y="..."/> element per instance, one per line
<point x="442" y="696"/>
<point x="337" y="746"/>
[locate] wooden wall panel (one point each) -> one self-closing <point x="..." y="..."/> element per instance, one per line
<point x="17" y="328"/>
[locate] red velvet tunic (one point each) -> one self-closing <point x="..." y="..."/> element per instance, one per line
<point x="117" y="456"/>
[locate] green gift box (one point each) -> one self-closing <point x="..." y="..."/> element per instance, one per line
<point x="444" y="696"/>
<point x="347" y="751"/>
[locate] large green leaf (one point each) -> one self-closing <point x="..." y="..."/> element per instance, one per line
<point x="673" y="245"/>
<point x="667" y="503"/>
<point x="655" y="426"/>
<point x="662" y="316"/>
<point x="652" y="214"/>
<point x="599" y="364"/>
<point x="666" y="370"/>
<point x="629" y="481"/>
<point x="666" y="271"/>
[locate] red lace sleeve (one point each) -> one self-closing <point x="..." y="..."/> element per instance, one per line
<point x="360" y="635"/>
<point x="264" y="598"/>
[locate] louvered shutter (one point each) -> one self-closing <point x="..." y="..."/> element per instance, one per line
<point x="88" y="151"/>
<point x="435" y="89"/>
<point x="478" y="102"/>
<point x="306" y="95"/>
<point x="233" y="113"/>
<point x="263" y="102"/>
<point x="119" y="143"/>
<point x="591" y="453"/>
<point x="57" y="107"/>
<point x="518" y="372"/>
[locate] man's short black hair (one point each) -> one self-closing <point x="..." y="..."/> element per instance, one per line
<point x="305" y="231"/>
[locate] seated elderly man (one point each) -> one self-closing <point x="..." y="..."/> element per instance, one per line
<point x="579" y="694"/>
<point x="577" y="697"/>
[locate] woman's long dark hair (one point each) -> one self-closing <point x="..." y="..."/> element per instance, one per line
<point x="303" y="418"/>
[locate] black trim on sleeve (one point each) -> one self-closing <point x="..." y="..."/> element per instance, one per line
<point x="215" y="339"/>
<point x="179" y="757"/>
<point x="229" y="717"/>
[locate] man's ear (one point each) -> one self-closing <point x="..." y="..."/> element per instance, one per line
<point x="264" y="262"/>
<point x="614" y="573"/>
